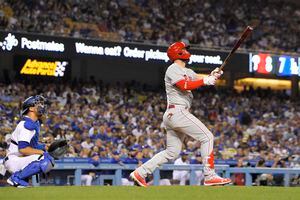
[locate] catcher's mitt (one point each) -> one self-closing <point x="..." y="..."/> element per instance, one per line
<point x="58" y="148"/>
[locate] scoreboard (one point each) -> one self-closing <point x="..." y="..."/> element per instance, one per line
<point x="280" y="65"/>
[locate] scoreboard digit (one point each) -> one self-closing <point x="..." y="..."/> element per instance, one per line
<point x="288" y="66"/>
<point x="262" y="63"/>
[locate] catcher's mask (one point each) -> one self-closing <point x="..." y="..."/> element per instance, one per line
<point x="38" y="101"/>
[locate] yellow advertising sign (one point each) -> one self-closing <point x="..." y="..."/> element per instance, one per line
<point x="44" y="68"/>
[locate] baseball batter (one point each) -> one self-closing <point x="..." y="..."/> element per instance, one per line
<point x="179" y="81"/>
<point x="26" y="157"/>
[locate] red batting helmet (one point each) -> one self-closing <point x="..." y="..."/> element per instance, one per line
<point x="178" y="50"/>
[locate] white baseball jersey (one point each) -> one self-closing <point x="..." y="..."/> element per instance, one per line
<point x="23" y="134"/>
<point x="26" y="131"/>
<point x="175" y="96"/>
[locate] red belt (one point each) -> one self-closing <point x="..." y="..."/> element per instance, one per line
<point x="174" y="106"/>
<point x="171" y="106"/>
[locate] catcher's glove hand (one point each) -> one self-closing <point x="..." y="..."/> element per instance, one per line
<point x="58" y="148"/>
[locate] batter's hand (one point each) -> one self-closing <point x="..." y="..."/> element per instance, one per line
<point x="210" y="80"/>
<point x="217" y="73"/>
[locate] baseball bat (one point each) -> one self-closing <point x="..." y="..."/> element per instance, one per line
<point x="245" y="34"/>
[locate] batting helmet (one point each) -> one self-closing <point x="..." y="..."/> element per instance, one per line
<point x="32" y="101"/>
<point x="178" y="50"/>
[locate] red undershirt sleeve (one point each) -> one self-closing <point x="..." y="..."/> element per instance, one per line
<point x="189" y="85"/>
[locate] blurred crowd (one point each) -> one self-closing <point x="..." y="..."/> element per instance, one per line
<point x="123" y="123"/>
<point x="205" y="23"/>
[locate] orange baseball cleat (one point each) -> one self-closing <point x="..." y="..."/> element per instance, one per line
<point x="216" y="180"/>
<point x="140" y="181"/>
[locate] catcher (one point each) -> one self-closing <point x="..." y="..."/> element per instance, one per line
<point x="25" y="156"/>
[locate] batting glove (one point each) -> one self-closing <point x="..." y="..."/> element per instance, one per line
<point x="217" y="73"/>
<point x="210" y="80"/>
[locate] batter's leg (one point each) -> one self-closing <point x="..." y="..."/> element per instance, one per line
<point x="196" y="129"/>
<point x="174" y="145"/>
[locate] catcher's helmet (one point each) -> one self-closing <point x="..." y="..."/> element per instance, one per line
<point x="38" y="100"/>
<point x="178" y="50"/>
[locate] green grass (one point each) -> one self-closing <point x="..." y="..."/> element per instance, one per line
<point x="153" y="193"/>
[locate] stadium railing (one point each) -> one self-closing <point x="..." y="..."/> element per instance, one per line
<point x="225" y="170"/>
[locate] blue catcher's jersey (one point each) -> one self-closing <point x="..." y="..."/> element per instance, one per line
<point x="26" y="132"/>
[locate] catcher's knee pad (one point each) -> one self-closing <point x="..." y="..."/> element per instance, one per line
<point x="35" y="167"/>
<point x="46" y="164"/>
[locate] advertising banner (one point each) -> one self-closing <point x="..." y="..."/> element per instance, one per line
<point x="42" y="67"/>
<point x="118" y="52"/>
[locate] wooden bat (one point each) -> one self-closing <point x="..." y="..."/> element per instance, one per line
<point x="245" y="34"/>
